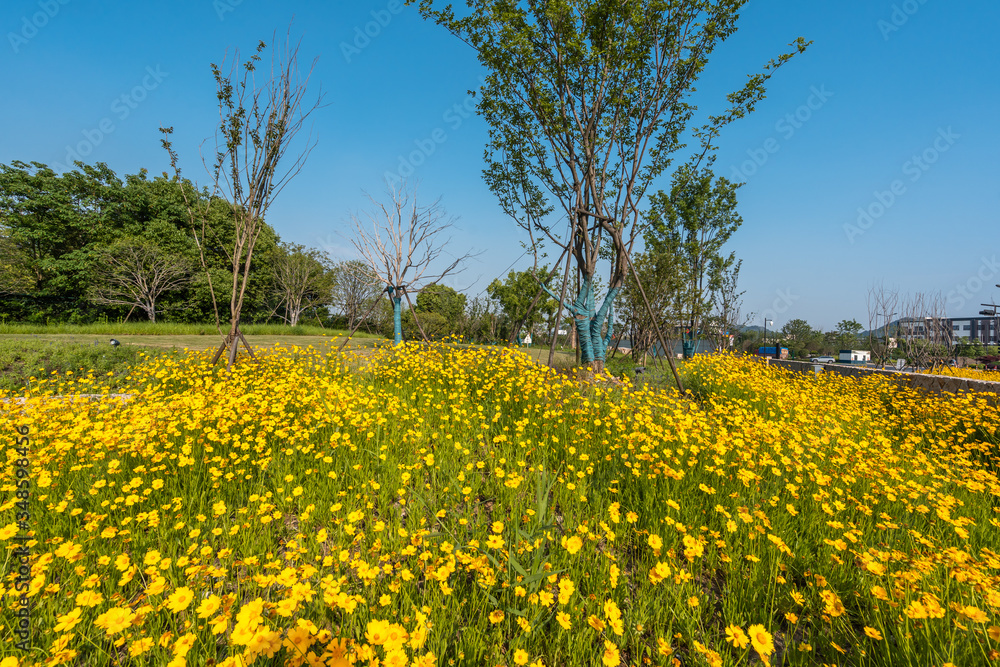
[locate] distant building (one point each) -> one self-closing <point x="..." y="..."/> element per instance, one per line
<point x="855" y="357"/>
<point x="947" y="330"/>
<point x="983" y="329"/>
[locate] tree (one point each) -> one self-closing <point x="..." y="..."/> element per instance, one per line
<point x="258" y="120"/>
<point x="400" y="242"/>
<point x="443" y="300"/>
<point x="925" y="334"/>
<point x="586" y="101"/>
<point x="441" y="310"/>
<point x="848" y="332"/>
<point x="800" y="336"/>
<point x="15" y="278"/>
<point x="54" y="224"/>
<point x="514" y="295"/>
<point x="688" y="229"/>
<point x="356" y="289"/>
<point x="135" y="273"/>
<point x="883" y="314"/>
<point x="664" y="284"/>
<point x="727" y="319"/>
<point x="303" y="279"/>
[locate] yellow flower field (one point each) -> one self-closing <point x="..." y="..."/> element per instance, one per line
<point x="446" y="506"/>
<point x="968" y="373"/>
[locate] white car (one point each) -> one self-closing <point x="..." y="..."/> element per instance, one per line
<point x="823" y="360"/>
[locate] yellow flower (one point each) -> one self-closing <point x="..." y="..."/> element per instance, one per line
<point x="736" y="636"/>
<point x="377" y="632"/>
<point x="208" y="606"/>
<point x="572" y="544"/>
<point x="89" y="599"/>
<point x="521" y="657"/>
<point x="873" y="633"/>
<point x="566" y="590"/>
<point x="975" y="614"/>
<point x="180" y="599"/>
<point x="496" y="616"/>
<point x="395" y="658"/>
<point x="67" y="622"/>
<point x="761" y="639"/>
<point x="115" y="620"/>
<point x="611" y="656"/>
<point x="140" y="646"/>
<point x="563" y="619"/>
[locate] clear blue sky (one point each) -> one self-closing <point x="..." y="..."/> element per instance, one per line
<point x="893" y="110"/>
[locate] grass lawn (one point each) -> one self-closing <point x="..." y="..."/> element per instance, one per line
<point x="24" y="356"/>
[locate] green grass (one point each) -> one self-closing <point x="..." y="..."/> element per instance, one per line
<point x="23" y="360"/>
<point x="171" y="329"/>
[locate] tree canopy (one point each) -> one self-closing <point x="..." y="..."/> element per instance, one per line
<point x="587" y="102"/>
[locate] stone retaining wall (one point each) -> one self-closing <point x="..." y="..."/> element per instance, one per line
<point x="933" y="383"/>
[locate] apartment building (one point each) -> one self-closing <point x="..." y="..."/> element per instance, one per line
<point x="983" y="329"/>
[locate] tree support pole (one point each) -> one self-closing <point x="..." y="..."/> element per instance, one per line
<point x="358" y="325"/>
<point x="656" y="325"/>
<point x="562" y="298"/>
<point x="413" y="311"/>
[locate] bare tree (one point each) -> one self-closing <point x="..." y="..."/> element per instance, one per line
<point x="726" y="317"/>
<point x="356" y="289"/>
<point x="303" y="279"/>
<point x="260" y="113"/>
<point x="925" y="331"/>
<point x="883" y="321"/>
<point x="401" y="242"/>
<point x="134" y="272"/>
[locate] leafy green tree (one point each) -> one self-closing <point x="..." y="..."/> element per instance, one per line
<point x="800" y="337"/>
<point x="56" y="229"/>
<point x="515" y="295"/>
<point x="442" y="300"/>
<point x="848" y="334"/>
<point x="587" y="102"/>
<point x="54" y="225"/>
<point x="687" y="229"/>
<point x="664" y="283"/>
<point x="15" y="278"/>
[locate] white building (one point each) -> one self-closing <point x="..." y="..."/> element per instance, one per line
<point x="855" y="357"/>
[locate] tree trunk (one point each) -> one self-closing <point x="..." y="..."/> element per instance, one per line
<point x="397" y="318"/>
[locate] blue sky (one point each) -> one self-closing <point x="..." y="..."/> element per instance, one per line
<point x="873" y="157"/>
